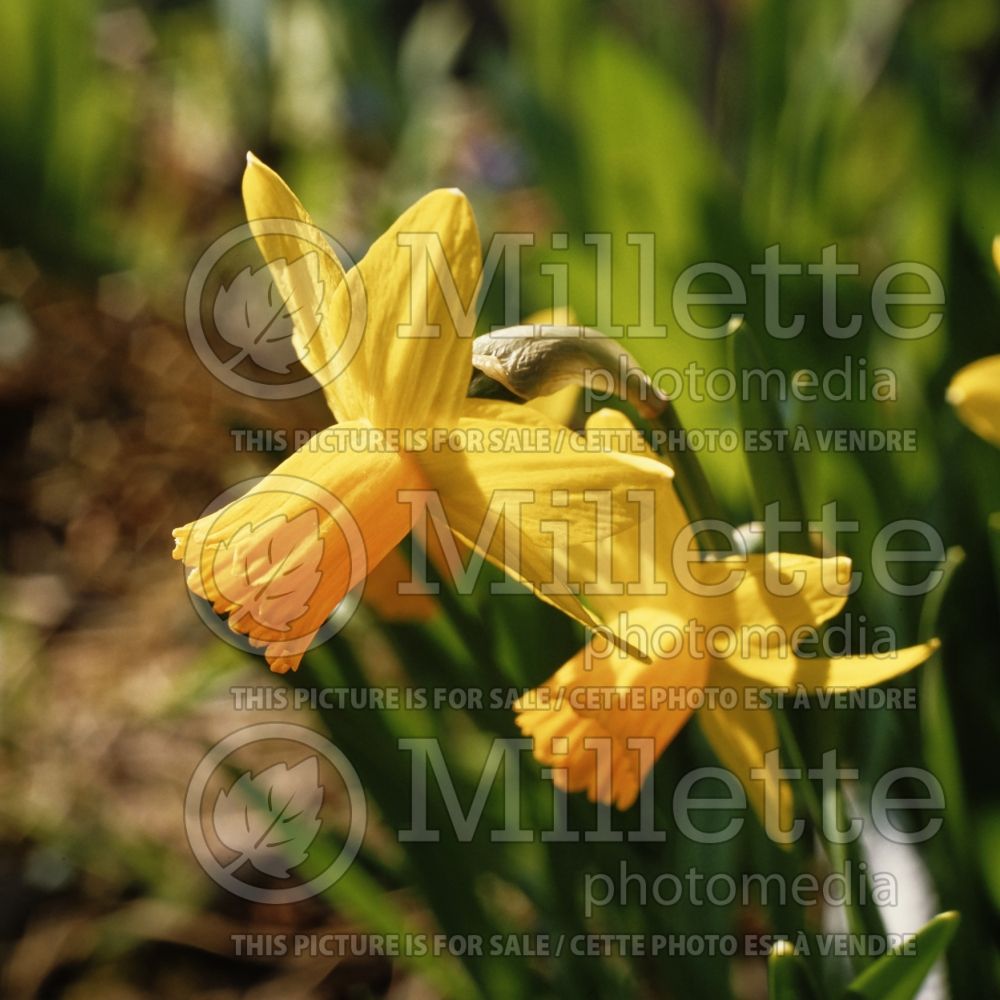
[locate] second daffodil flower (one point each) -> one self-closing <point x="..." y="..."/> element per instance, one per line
<point x="393" y="351"/>
<point x="603" y="719"/>
<point x="975" y="389"/>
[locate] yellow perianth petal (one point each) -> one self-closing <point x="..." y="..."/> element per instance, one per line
<point x="641" y="564"/>
<point x="613" y="430"/>
<point x="279" y="559"/>
<point x="774" y="594"/>
<point x="560" y="407"/>
<point x="417" y="286"/>
<point x="583" y="718"/>
<point x="741" y="738"/>
<point x="996" y="252"/>
<point x="852" y="672"/>
<point x="527" y="495"/>
<point x="975" y="394"/>
<point x="307" y="274"/>
<point x="782" y="670"/>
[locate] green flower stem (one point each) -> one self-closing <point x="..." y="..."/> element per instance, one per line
<point x="690" y="480"/>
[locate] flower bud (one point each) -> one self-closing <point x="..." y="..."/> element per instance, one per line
<point x="535" y="360"/>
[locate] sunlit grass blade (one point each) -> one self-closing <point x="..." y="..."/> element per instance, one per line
<point x="899" y="974"/>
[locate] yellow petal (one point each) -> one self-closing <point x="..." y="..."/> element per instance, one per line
<point x="279" y="559"/>
<point x="616" y="432"/>
<point x="506" y="458"/>
<point x="741" y="737"/>
<point x="418" y="284"/>
<point x="758" y="597"/>
<point x="641" y="551"/>
<point x="975" y="394"/>
<point x="307" y="274"/>
<point x="582" y="719"/>
<point x="745" y="596"/>
<point x="560" y="407"/>
<point x="787" y="672"/>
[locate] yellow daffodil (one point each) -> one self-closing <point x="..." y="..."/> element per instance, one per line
<point x="393" y="353"/>
<point x="727" y="624"/>
<point x="975" y="389"/>
<point x="975" y="394"/>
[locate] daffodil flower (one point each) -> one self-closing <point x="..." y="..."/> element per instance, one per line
<point x="975" y="394"/>
<point x="974" y="391"/>
<point x="393" y="354"/>
<point x="747" y="612"/>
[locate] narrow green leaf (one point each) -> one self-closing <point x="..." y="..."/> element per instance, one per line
<point x="931" y="611"/>
<point x="936" y="716"/>
<point x="899" y="974"/>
